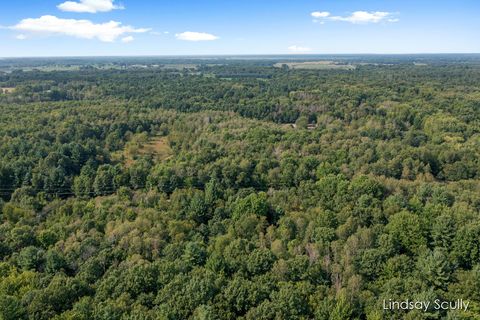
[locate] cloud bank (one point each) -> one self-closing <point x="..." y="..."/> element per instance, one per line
<point x="357" y="17"/>
<point x="85" y="29"/>
<point x="320" y="14"/>
<point x="195" y="36"/>
<point x="128" y="39"/>
<point x="89" y="6"/>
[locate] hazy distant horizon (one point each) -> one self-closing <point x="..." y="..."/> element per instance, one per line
<point x="266" y="55"/>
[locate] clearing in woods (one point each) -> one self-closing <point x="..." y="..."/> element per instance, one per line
<point x="159" y="147"/>
<point x="156" y="146"/>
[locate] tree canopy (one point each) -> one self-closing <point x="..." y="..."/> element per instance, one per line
<point x="239" y="190"/>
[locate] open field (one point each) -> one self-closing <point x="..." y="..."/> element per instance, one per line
<point x="316" y="65"/>
<point x="7" y="90"/>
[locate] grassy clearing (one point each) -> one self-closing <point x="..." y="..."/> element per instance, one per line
<point x="158" y="147"/>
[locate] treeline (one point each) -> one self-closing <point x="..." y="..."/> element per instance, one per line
<point x="262" y="92"/>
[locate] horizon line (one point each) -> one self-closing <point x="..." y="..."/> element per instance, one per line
<point x="241" y="55"/>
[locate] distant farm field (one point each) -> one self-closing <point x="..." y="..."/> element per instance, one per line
<point x="7" y="90"/>
<point x="316" y="65"/>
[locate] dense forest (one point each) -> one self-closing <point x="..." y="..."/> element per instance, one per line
<point x="239" y="188"/>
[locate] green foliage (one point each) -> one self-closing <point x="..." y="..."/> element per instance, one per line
<point x="254" y="204"/>
<point x="30" y="258"/>
<point x="11" y="308"/>
<point x="237" y="190"/>
<point x="407" y="230"/>
<point x="467" y="244"/>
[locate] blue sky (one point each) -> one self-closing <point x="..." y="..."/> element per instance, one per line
<point x="187" y="27"/>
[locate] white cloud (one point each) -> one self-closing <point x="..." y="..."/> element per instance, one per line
<point x="128" y="39"/>
<point x="21" y="37"/>
<point x="364" y="17"/>
<point x="357" y="17"/>
<point x="85" y="29"/>
<point x="195" y="36"/>
<point x="299" y="49"/>
<point x="156" y="33"/>
<point x="320" y="14"/>
<point x="90" y="6"/>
